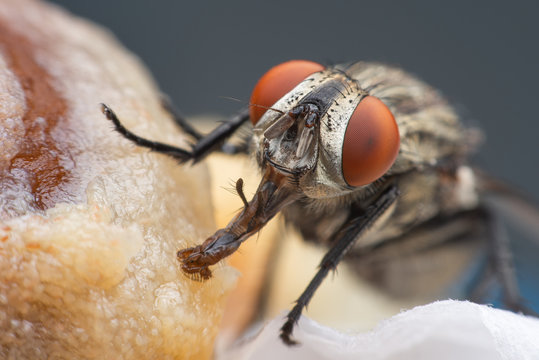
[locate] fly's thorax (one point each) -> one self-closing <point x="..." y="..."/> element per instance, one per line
<point x="430" y="129"/>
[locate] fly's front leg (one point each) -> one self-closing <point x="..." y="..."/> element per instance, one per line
<point x="344" y="239"/>
<point x="204" y="145"/>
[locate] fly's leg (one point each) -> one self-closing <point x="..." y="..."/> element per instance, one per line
<point x="204" y="145"/>
<point x="501" y="263"/>
<point x="344" y="239"/>
<point x="178" y="119"/>
<point x="215" y="140"/>
<point x="227" y="148"/>
<point x="240" y="148"/>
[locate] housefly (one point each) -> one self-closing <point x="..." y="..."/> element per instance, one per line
<point x="365" y="159"/>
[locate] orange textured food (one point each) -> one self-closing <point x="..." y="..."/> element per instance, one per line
<point x="89" y="223"/>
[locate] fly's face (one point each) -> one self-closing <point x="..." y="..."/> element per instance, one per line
<point x="327" y="134"/>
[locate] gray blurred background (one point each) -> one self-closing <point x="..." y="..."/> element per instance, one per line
<point x="483" y="55"/>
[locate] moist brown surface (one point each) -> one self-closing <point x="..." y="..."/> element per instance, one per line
<point x="40" y="154"/>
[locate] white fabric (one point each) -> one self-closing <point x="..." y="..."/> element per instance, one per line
<point x="442" y="330"/>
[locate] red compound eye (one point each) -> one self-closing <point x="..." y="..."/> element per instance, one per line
<point x="278" y="81"/>
<point x="371" y="142"/>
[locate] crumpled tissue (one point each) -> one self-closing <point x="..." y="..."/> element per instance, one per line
<point x="441" y="330"/>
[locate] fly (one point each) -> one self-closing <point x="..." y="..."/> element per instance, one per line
<point x="363" y="158"/>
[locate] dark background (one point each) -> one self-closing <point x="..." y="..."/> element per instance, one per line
<point x="483" y="55"/>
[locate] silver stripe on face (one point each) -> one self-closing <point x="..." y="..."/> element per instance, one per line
<point x="336" y="96"/>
